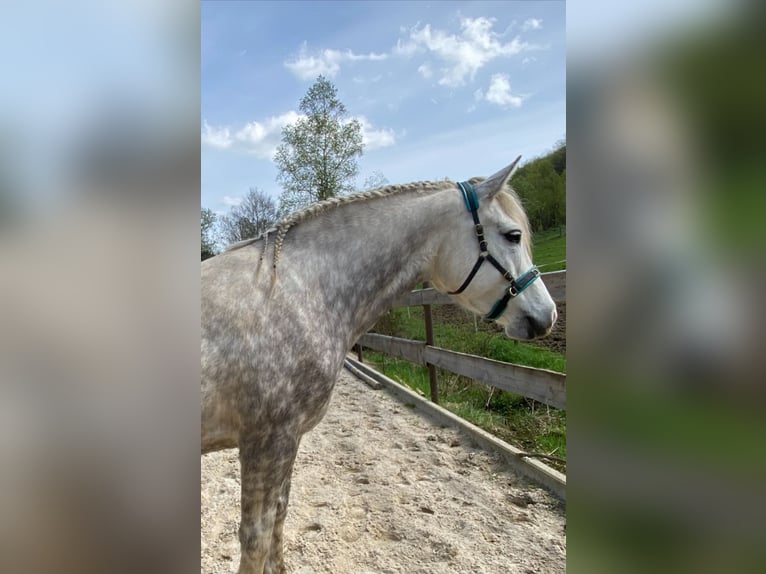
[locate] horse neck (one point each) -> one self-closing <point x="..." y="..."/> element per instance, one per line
<point x="364" y="256"/>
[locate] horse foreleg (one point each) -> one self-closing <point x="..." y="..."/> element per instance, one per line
<point x="276" y="561"/>
<point x="266" y="463"/>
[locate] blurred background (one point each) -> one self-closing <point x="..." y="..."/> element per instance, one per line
<point x="99" y="231"/>
<point x="666" y="275"/>
<point x="99" y="275"/>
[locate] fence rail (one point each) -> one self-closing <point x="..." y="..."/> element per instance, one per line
<point x="542" y="385"/>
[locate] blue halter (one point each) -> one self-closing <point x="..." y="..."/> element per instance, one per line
<point x="517" y="285"/>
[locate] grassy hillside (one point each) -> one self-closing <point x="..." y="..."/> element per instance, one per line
<point x="541" y="185"/>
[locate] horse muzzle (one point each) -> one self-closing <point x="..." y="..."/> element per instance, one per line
<point x="530" y="327"/>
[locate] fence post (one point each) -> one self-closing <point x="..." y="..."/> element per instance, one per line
<point x="359" y="352"/>
<point x="430" y="341"/>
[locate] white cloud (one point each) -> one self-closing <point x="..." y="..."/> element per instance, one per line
<point x="228" y="200"/>
<point x="362" y="80"/>
<point x="258" y="138"/>
<point x="216" y="137"/>
<point x="262" y="138"/>
<point x="532" y="24"/>
<point x="499" y="92"/>
<point x="528" y="60"/>
<point x="465" y="53"/>
<point x="373" y="138"/>
<point x="426" y="71"/>
<point x="406" y="48"/>
<point x="327" y="62"/>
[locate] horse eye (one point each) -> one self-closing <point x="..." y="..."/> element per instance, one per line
<point x="513" y="236"/>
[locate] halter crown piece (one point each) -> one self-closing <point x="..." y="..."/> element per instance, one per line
<point x="517" y="285"/>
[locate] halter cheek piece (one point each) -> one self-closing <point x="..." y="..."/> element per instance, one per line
<point x="517" y="285"/>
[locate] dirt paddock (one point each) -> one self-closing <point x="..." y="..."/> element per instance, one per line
<point x="378" y="488"/>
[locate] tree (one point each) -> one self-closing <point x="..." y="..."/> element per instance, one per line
<point x="542" y="189"/>
<point x="207" y="225"/>
<point x="318" y="155"/>
<point x="374" y="180"/>
<point x="254" y="215"/>
<point x="559" y="157"/>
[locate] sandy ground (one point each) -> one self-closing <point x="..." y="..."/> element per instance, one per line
<point x="378" y="488"/>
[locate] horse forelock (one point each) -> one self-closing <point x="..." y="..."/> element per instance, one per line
<point x="510" y="203"/>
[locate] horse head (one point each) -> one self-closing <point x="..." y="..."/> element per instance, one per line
<point x="485" y="259"/>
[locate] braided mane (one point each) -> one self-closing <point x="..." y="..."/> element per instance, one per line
<point x="316" y="209"/>
<point x="510" y="203"/>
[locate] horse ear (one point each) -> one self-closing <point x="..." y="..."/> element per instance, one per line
<point x="488" y="188"/>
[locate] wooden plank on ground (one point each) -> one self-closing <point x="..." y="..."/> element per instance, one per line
<point x="541" y="385"/>
<point x="537" y="471"/>
<point x="362" y="372"/>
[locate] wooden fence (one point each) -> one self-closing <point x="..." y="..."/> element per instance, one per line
<point x="542" y="385"/>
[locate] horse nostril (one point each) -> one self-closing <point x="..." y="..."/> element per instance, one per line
<point x="536" y="328"/>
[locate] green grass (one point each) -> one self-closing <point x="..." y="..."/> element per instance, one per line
<point x="549" y="250"/>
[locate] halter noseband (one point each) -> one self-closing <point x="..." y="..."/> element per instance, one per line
<point x="517" y="285"/>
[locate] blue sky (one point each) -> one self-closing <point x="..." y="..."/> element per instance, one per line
<point x="442" y="89"/>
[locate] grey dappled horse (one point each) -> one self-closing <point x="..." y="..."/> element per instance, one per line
<point x="280" y="312"/>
